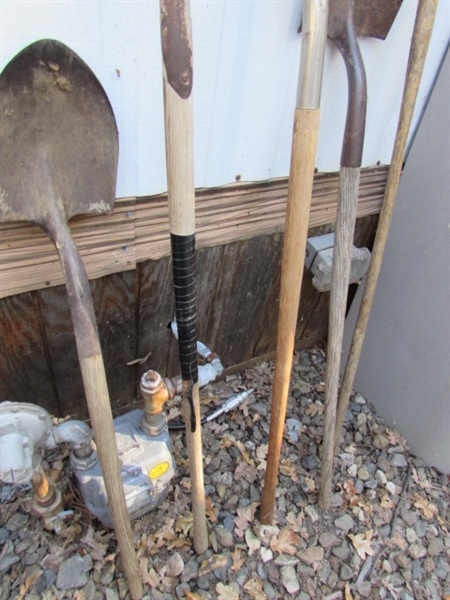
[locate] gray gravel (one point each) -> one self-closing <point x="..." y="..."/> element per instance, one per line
<point x="386" y="535"/>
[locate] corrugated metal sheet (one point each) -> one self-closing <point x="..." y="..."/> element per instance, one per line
<point x="246" y="57"/>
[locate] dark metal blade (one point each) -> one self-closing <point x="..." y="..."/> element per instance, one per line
<point x="58" y="137"/>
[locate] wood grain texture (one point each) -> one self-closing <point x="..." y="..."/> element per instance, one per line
<point x="306" y="126"/>
<point x="139" y="228"/>
<point x="423" y="27"/>
<point x="345" y="225"/>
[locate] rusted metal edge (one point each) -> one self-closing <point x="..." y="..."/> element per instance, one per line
<point x="177" y="46"/>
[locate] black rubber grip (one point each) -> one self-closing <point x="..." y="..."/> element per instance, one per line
<point x="183" y="265"/>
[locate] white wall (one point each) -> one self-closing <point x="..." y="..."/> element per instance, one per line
<point x="246" y="57"/>
<point x="404" y="368"/>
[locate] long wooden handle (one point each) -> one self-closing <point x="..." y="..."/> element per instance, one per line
<point x="345" y="225"/>
<point x="423" y="28"/>
<point x="351" y="158"/>
<point x="304" y="144"/>
<point x="176" y="40"/>
<point x="97" y="396"/>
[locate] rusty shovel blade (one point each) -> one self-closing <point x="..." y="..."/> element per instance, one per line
<point x="56" y="127"/>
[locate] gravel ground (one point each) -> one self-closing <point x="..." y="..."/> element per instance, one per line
<point x="386" y="535"/>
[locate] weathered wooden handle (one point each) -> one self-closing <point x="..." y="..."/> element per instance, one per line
<point x="423" y="28"/>
<point x="304" y="144"/>
<point x="345" y="225"/>
<point x="97" y="397"/>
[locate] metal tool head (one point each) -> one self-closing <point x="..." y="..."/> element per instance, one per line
<point x="371" y="18"/>
<point x="58" y="136"/>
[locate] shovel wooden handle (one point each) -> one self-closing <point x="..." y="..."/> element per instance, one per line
<point x="304" y="144"/>
<point x="177" y="80"/>
<point x="97" y="396"/>
<point x="423" y="28"/>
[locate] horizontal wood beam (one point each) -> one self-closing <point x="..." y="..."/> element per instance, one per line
<point x="138" y="230"/>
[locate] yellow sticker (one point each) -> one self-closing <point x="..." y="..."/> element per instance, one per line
<point x="158" y="470"/>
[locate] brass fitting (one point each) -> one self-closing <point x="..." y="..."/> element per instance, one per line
<point x="47" y="500"/>
<point x="155" y="392"/>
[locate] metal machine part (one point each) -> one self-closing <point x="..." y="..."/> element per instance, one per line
<point x="147" y="467"/>
<point x="23" y="428"/>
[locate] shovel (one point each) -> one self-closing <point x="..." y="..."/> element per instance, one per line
<point x="176" y="42"/>
<point x="58" y="158"/>
<point x="423" y="28"/>
<point x="347" y="20"/>
<point x="301" y="176"/>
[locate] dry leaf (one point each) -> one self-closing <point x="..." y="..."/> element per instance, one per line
<point x="245" y="471"/>
<point x="386" y="502"/>
<point x="79" y="595"/>
<point x="96" y="549"/>
<point x="253" y="542"/>
<point x="179" y="542"/>
<point x="139" y="361"/>
<point x="192" y="595"/>
<point x="310" y="484"/>
<point x="266" y="554"/>
<point x="150" y="578"/>
<point x="348" y="595"/>
<point x="289" y="469"/>
<point x="261" y="451"/>
<point x="226" y="592"/>
<point x="245" y="517"/>
<point x="230" y="440"/>
<point x="175" y="566"/>
<point x="351" y="494"/>
<point x="238" y="562"/>
<point x="315" y="409"/>
<point x="285" y="542"/>
<point x="216" y="561"/>
<point x="265" y="532"/>
<point x="185" y="523"/>
<point x="254" y="587"/>
<point x="296" y="522"/>
<point x="211" y="511"/>
<point x="27" y="584"/>
<point x="428" y="509"/>
<point x="362" y="543"/>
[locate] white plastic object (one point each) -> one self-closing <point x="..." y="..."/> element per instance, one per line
<point x="319" y="260"/>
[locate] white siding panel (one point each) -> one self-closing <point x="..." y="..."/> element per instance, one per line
<point x="246" y="57"/>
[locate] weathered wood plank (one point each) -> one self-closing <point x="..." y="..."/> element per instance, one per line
<point x="25" y="369"/>
<point x="139" y="228"/>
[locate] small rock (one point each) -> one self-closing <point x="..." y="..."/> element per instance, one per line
<point x="336" y="500"/>
<point x="346" y="572"/>
<point x="111" y="594"/>
<point x="260" y="407"/>
<point x="73" y="572"/>
<point x="416" y="570"/>
<point x="190" y="571"/>
<point x="324" y="572"/>
<point x="289" y="580"/>
<point x="224" y="537"/>
<point x="4" y="535"/>
<point x="269" y="590"/>
<point x="7" y="561"/>
<point x="203" y="582"/>
<point x="328" y="539"/>
<point x="363" y="473"/>
<point x="312" y="513"/>
<point x="89" y="590"/>
<point x="221" y="490"/>
<point x="380" y="476"/>
<point x="402" y="560"/>
<point x="380" y="442"/>
<point x="417" y="551"/>
<point x="345" y="522"/>
<point x="411" y="535"/>
<point x="365" y="589"/>
<point x="436" y="546"/>
<point x="399" y="460"/>
<point x="341" y="552"/>
<point x="285" y="560"/>
<point x="107" y="574"/>
<point x="310" y="462"/>
<point x="17" y="521"/>
<point x="181" y="590"/>
<point x="311" y="555"/>
<point x="241" y="577"/>
<point x="371" y="484"/>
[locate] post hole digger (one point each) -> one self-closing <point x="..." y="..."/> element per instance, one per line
<point x="58" y="158"/>
<point x="347" y="20"/>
